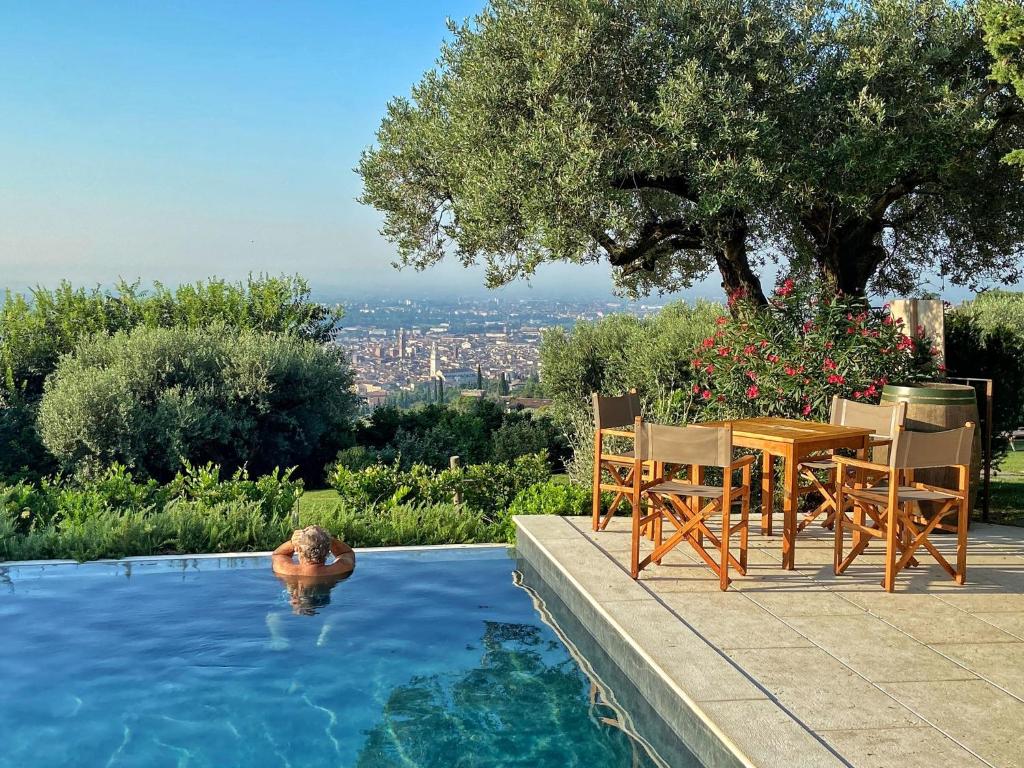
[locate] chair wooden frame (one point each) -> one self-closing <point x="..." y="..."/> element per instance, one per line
<point x="848" y="413"/>
<point x="681" y="503"/>
<point x="611" y="414"/>
<point x="893" y="504"/>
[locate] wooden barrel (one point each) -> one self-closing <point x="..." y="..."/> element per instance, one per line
<point x="934" y="407"/>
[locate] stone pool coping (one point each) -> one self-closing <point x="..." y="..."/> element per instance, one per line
<point x="219" y="555"/>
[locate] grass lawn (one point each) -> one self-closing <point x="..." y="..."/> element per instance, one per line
<point x="324" y="498"/>
<point x="1008" y="490"/>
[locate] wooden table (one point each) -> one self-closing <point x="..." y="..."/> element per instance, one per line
<point x="791" y="440"/>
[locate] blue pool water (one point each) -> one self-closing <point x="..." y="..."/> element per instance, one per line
<point x="420" y="658"/>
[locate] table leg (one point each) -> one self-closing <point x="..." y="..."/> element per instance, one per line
<point x="767" y="491"/>
<point x="789" y="504"/>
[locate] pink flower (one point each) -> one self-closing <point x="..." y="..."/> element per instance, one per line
<point x="752" y="391"/>
<point x="722" y="320"/>
<point x="724" y="351"/>
<point x="807" y="410"/>
<point x="709" y="369"/>
<point x="749" y="349"/>
<point x="791" y="371"/>
<point x="808" y="326"/>
<point x="773" y="358"/>
<point x="786" y="288"/>
<point x="708" y="343"/>
<point x="858" y="395"/>
<point x="829" y="364"/>
<point x="696" y="389"/>
<point x="752" y="375"/>
<point x="763" y="343"/>
<point x="835" y="378"/>
<point x="829" y="344"/>
<point x="706" y="394"/>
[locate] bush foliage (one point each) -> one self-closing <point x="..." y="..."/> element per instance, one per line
<point x="808" y="345"/>
<point x="474" y="430"/>
<point x="154" y="398"/>
<point x="36" y="330"/>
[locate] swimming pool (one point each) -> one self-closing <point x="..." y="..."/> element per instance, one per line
<point x="421" y="658"/>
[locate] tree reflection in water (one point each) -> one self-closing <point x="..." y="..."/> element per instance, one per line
<point x="526" y="704"/>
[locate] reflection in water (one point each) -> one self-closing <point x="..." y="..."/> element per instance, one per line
<point x="308" y="594"/>
<point x="522" y="706"/>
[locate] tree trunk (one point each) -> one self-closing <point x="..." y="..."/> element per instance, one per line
<point x="849" y="259"/>
<point x="738" y="278"/>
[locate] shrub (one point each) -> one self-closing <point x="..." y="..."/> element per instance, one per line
<point x="37" y="330"/>
<point x="116" y="515"/>
<point x="475" y="430"/>
<point x="790" y="358"/>
<point x="990" y="345"/>
<point x="155" y="398"/>
<point x="553" y="497"/>
<point x="618" y="353"/>
<point x="411" y="524"/>
<point x="487" y="488"/>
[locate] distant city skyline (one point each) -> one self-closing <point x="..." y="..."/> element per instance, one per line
<point x="179" y="142"/>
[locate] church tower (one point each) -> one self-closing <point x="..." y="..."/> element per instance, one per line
<point x="433" y="359"/>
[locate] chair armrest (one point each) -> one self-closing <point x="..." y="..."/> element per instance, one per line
<point x="741" y="462"/>
<point x="618" y="433"/>
<point x="843" y="461"/>
<point x="874" y="442"/>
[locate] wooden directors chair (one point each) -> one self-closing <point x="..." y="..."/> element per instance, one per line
<point x="892" y="503"/>
<point x="882" y="419"/>
<point x="612" y="415"/>
<point x="682" y="504"/>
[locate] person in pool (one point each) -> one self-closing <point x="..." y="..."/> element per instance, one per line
<point x="310" y="547"/>
<point x="309" y="580"/>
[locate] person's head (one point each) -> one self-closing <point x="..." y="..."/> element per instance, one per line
<point x="312" y="544"/>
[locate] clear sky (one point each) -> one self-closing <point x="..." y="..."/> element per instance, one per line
<point x="180" y="140"/>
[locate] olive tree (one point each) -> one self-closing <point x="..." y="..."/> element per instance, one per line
<point x="856" y="138"/>
<point x="1004" y="34"/>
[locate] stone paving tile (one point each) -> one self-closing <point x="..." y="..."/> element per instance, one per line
<point x="1012" y="623"/>
<point x="999" y="663"/>
<point x="821" y="691"/>
<point x="699" y="670"/>
<point x="928" y="619"/>
<point x="810" y="600"/>
<point x="876" y="650"/>
<point x="730" y="620"/>
<point x="976" y="714"/>
<point x="763" y="732"/>
<point x="914" y="747"/>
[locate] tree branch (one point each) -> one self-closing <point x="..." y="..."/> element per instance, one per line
<point x="677" y="185"/>
<point x="676" y="234"/>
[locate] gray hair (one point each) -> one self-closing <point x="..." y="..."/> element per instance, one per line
<point x="312" y="544"/>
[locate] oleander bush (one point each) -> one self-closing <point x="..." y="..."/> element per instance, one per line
<point x="790" y="358"/>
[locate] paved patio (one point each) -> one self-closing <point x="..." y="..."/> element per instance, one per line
<point x="804" y="668"/>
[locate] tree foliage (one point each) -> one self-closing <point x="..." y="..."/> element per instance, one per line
<point x="857" y="138"/>
<point x="1004" y="34"/>
<point x="154" y="398"/>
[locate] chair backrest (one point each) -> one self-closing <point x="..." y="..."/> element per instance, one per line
<point x="953" y="447"/>
<point x="880" y="419"/>
<point x="612" y="412"/>
<point x="704" y="446"/>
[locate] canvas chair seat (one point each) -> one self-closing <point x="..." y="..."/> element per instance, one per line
<point x="880" y="494"/>
<point x="678" y="488"/>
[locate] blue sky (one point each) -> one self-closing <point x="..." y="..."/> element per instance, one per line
<point x="180" y="140"/>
